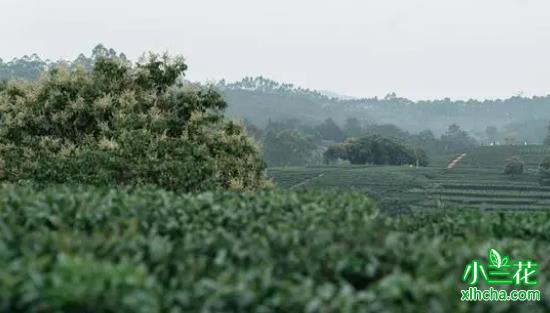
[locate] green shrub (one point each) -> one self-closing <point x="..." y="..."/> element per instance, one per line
<point x="85" y="249"/>
<point x="123" y="124"/>
<point x="393" y="205"/>
<point x="514" y="166"/>
<point x="544" y="172"/>
<point x="545" y="164"/>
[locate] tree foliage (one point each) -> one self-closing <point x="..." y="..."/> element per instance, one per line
<point x="353" y="127"/>
<point x="328" y="130"/>
<point x="123" y="124"/>
<point x="457" y="140"/>
<point x="28" y="68"/>
<point x="376" y="150"/>
<point x="31" y="68"/>
<point x="287" y="147"/>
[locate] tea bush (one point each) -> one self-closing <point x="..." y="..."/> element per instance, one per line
<point x="514" y="166"/>
<point x="88" y="249"/>
<point x="544" y="172"/>
<point x="123" y="124"/>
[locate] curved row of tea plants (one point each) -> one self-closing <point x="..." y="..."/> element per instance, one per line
<point x="496" y="156"/>
<point x="404" y="188"/>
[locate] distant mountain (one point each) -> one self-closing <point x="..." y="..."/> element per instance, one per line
<point x="260" y="99"/>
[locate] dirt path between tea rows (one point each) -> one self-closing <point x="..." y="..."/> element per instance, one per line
<point x="455" y="161"/>
<point x="307" y="180"/>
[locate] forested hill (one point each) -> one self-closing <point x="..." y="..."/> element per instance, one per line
<point x="32" y="67"/>
<point x="260" y="99"/>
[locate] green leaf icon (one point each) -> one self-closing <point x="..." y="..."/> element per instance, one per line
<point x="505" y="260"/>
<point x="494" y="258"/>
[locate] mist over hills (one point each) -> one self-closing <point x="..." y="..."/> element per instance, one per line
<point x="259" y="100"/>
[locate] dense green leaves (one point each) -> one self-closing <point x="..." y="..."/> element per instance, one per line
<point x="285" y="147"/>
<point x="376" y="150"/>
<point x="457" y="140"/>
<point x="123" y="124"/>
<point x="144" y="250"/>
<point x="328" y="130"/>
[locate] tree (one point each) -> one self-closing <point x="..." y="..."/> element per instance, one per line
<point x="353" y="128"/>
<point x="426" y="136"/>
<point x="330" y="131"/>
<point x="388" y="131"/>
<point x="32" y="67"/>
<point x="491" y="132"/>
<point x="514" y="166"/>
<point x="528" y="130"/>
<point x="124" y="124"/>
<point x="425" y="140"/>
<point x="252" y="130"/>
<point x="3" y="85"/>
<point x="25" y="68"/>
<point x="456" y="139"/>
<point x="287" y="147"/>
<point x="376" y="150"/>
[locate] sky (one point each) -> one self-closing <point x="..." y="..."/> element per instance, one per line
<point x="419" y="49"/>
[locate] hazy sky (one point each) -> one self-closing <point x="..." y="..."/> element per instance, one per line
<point x="416" y="48"/>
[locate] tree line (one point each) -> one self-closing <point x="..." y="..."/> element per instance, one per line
<point x="305" y="139"/>
<point x="517" y="119"/>
<point x="295" y="143"/>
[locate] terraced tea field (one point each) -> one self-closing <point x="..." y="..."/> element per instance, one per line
<point x="494" y="157"/>
<point x="476" y="182"/>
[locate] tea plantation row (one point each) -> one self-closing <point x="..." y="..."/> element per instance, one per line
<point x="397" y="187"/>
<point x="496" y="156"/>
<point x="84" y="249"/>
